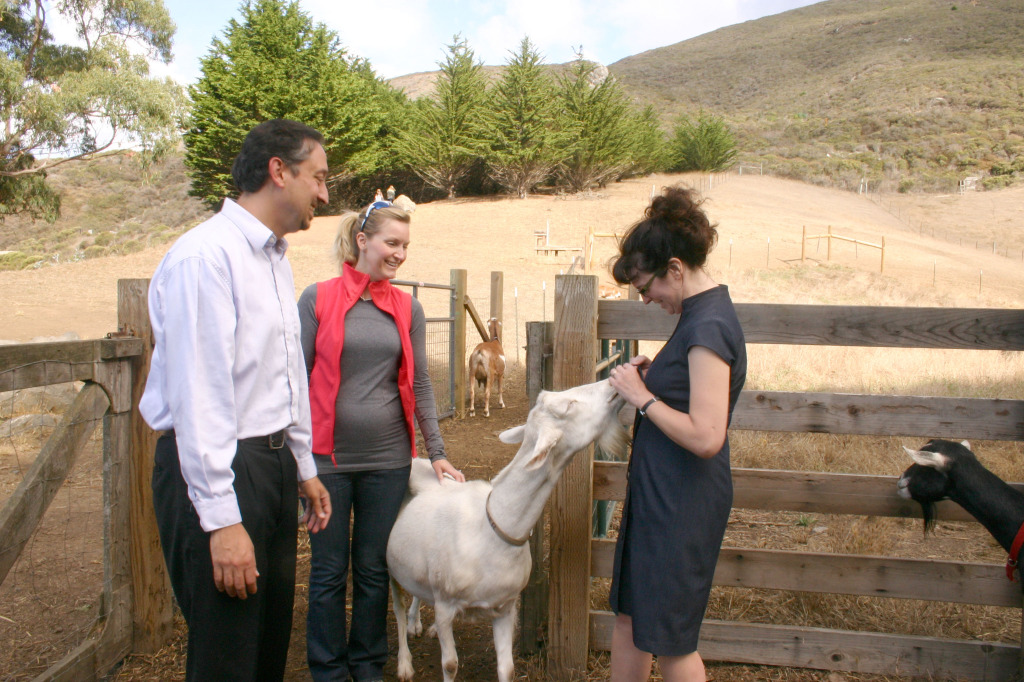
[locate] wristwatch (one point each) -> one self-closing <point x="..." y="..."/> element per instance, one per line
<point x="643" y="410"/>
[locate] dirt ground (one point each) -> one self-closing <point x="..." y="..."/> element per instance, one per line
<point x="760" y="221"/>
<point x="937" y="253"/>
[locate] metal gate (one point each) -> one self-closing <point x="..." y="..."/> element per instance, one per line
<point x="440" y="340"/>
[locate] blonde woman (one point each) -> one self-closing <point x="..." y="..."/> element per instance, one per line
<point x="364" y="342"/>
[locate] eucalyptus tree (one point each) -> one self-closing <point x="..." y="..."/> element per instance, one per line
<point x="65" y="101"/>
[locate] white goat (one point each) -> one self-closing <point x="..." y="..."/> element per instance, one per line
<point x="463" y="546"/>
<point x="486" y="367"/>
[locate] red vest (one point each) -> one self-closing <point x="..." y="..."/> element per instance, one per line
<point x="334" y="298"/>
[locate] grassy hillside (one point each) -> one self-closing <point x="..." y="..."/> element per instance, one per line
<point x="910" y="95"/>
<point x="914" y="94"/>
<point x="109" y="205"/>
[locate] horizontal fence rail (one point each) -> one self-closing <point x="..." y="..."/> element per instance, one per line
<point x="825" y="325"/>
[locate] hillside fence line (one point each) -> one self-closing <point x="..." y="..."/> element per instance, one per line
<point x="582" y="321"/>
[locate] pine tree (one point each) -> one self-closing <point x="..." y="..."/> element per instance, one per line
<point x="276" y="63"/>
<point x="595" y="113"/>
<point x="445" y="135"/>
<point x="648" y="145"/>
<point x="525" y="142"/>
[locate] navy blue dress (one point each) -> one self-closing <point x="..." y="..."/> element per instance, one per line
<point x="677" y="504"/>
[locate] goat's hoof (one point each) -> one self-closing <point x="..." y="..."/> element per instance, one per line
<point x="416" y="630"/>
<point x="405" y="670"/>
<point x="432" y="631"/>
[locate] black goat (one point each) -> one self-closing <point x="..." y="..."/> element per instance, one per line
<point x="947" y="470"/>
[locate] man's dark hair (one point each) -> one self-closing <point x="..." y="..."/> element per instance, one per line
<point x="287" y="140"/>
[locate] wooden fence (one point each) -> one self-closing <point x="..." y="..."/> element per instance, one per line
<point x="573" y="628"/>
<point x="105" y="368"/>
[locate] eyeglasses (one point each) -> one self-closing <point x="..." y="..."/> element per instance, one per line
<point x="645" y="288"/>
<point x="369" y="210"/>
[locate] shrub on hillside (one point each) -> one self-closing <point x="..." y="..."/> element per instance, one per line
<point x="704" y="143"/>
<point x="16" y="260"/>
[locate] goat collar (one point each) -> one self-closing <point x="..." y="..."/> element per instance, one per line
<point x="518" y="542"/>
<point x="1011" y="561"/>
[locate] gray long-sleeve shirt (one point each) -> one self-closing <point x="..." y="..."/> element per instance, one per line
<point x="369" y="428"/>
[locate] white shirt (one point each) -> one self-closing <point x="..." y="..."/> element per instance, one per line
<point x="227" y="362"/>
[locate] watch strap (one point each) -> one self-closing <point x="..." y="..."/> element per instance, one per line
<point x="643" y="410"/>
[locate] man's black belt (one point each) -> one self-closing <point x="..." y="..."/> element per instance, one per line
<point x="274" y="441"/>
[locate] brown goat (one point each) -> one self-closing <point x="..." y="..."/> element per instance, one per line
<point x="486" y="367"/>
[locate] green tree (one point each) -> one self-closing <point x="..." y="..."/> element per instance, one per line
<point x="275" y="63"/>
<point x="596" y="114"/>
<point x="445" y="134"/>
<point x="62" y="102"/>
<point x="702" y="144"/>
<point x="524" y="137"/>
<point x="648" y="145"/>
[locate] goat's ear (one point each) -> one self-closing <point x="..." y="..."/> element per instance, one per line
<point x="929" y="459"/>
<point x="513" y="435"/>
<point x="545" y="441"/>
<point x="966" y="444"/>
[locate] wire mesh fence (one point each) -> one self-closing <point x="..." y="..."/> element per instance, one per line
<point x="436" y="300"/>
<point x="50" y="597"/>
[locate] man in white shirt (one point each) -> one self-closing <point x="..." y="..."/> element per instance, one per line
<point x="227" y="385"/>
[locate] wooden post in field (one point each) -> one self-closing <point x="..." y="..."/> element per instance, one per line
<point x="575" y="351"/>
<point x="803" y="245"/>
<point x="151" y="589"/>
<point x="533" y="611"/>
<point x="881" y="268"/>
<point x="828" y="256"/>
<point x="498" y="295"/>
<point x="458" y="281"/>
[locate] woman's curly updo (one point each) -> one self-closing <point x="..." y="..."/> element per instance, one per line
<point x="674" y="226"/>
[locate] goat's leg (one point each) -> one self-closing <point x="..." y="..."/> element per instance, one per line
<point x="501" y="383"/>
<point x="444" y="618"/>
<point x="504" y="628"/>
<point x="405" y="669"/>
<point x="471" y="380"/>
<point x="487" y="395"/>
<point x="415" y="622"/>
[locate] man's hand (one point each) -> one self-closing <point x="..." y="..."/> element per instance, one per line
<point x="442" y="467"/>
<point x="234" y="561"/>
<point x="318" y="504"/>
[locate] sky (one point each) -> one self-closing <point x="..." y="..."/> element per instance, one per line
<point x="410" y="35"/>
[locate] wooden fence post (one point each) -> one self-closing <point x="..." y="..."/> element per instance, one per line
<point x="533" y="611"/>
<point x="153" y="612"/>
<point x="575" y="352"/>
<point x="828" y="256"/>
<point x="498" y="295"/>
<point x="458" y="281"/>
<point x="803" y="245"/>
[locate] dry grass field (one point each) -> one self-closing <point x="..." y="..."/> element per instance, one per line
<point x="760" y="223"/>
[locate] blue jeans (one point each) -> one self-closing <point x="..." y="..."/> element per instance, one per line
<point x="372" y="500"/>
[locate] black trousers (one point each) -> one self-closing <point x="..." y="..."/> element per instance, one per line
<point x="231" y="638"/>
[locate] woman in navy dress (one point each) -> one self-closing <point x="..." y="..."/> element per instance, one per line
<point x="680" y="486"/>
